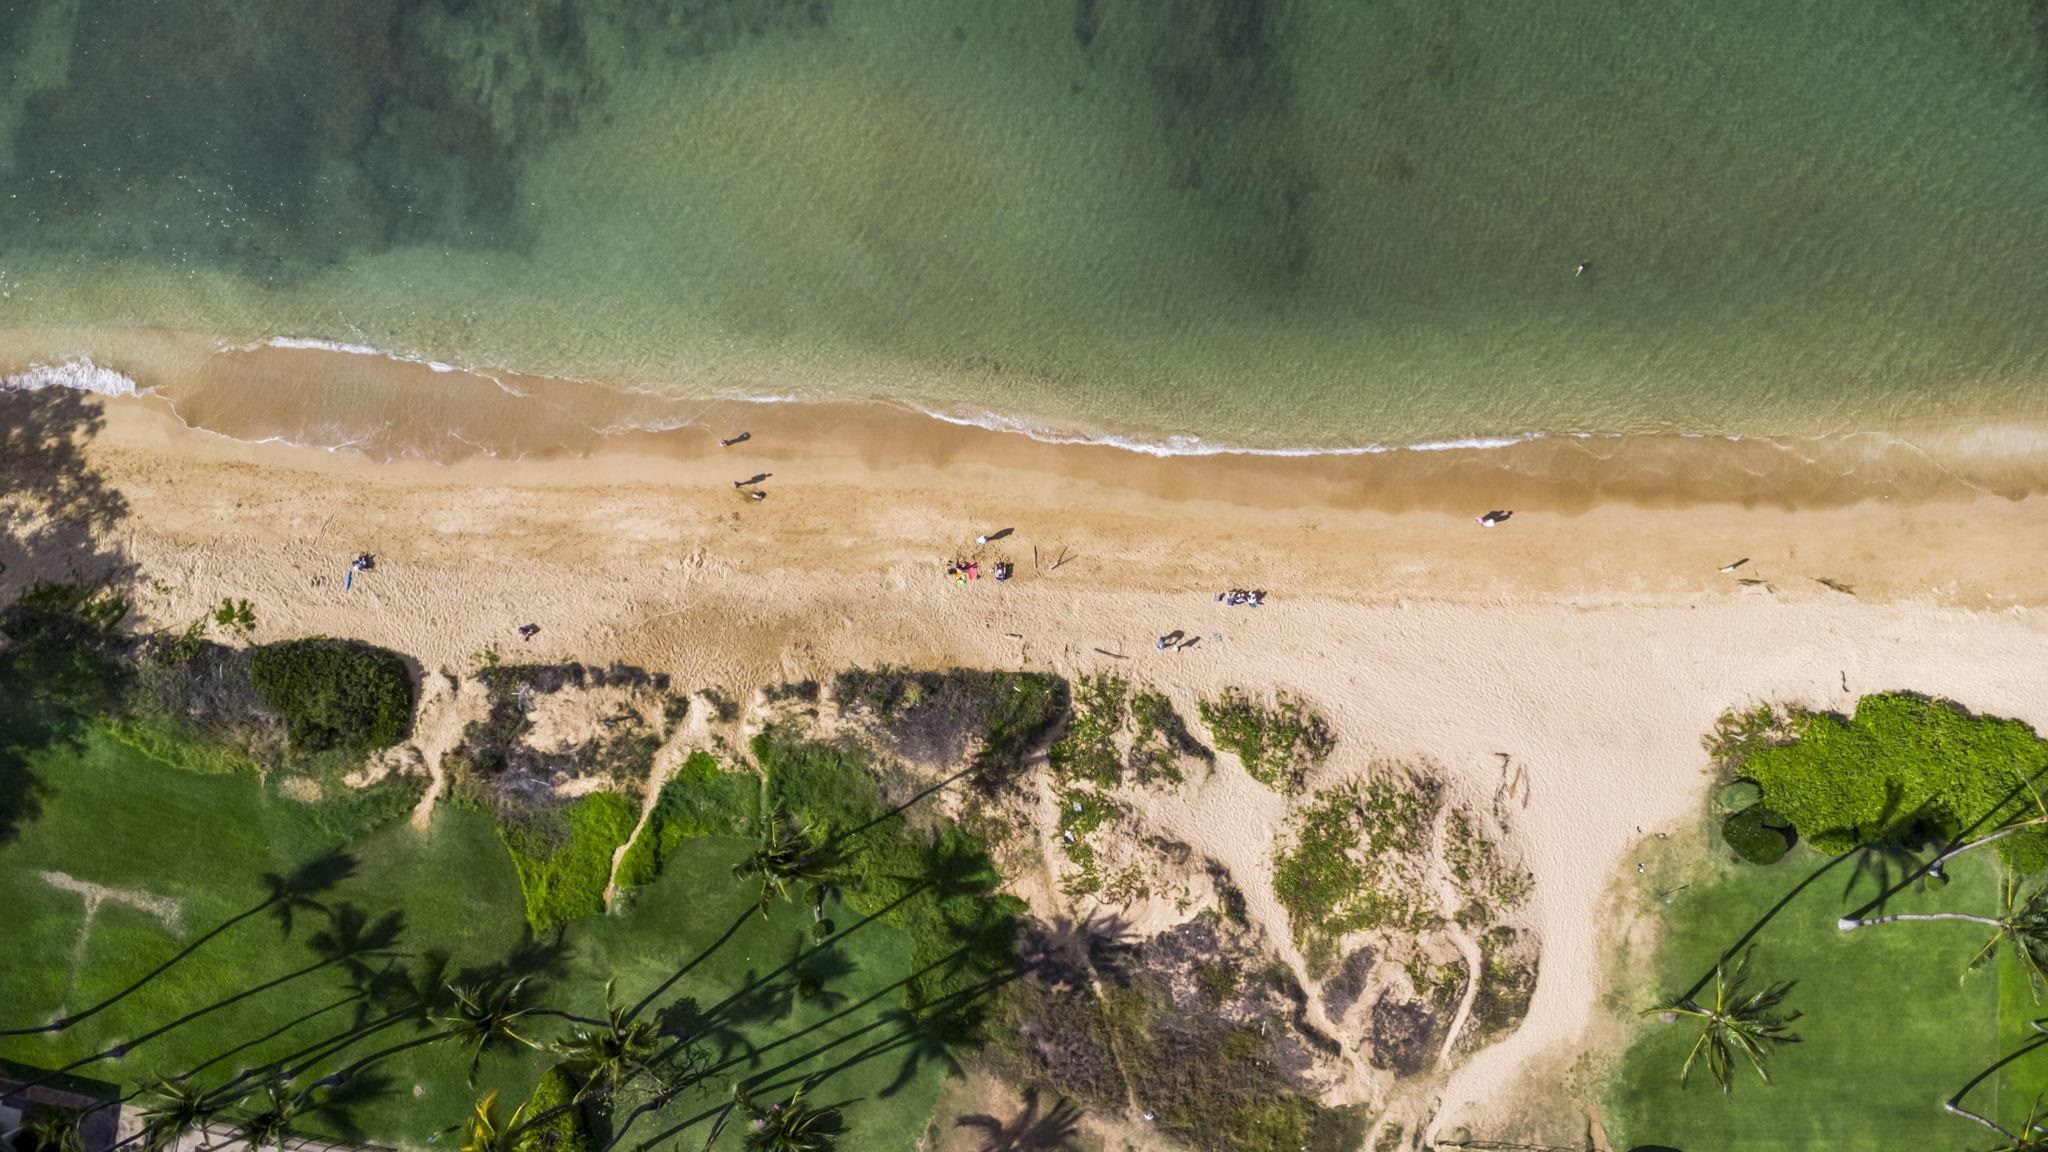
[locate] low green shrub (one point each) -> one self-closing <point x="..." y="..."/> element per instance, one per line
<point x="1737" y="795"/>
<point x="700" y="799"/>
<point x="1330" y="874"/>
<point x="335" y="693"/>
<point x="1757" y="835"/>
<point x="566" y="1130"/>
<point x="1087" y="750"/>
<point x="564" y="855"/>
<point x="1278" y="745"/>
<point x="66" y="644"/>
<point x="1082" y="812"/>
<point x="1903" y="767"/>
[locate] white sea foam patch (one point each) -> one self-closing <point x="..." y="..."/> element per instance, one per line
<point x="312" y="345"/>
<point x="79" y="373"/>
<point x="1189" y="445"/>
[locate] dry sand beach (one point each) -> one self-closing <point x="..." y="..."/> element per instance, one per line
<point x="1580" y="650"/>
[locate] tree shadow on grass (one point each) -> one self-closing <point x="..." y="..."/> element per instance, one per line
<point x="289" y="893"/>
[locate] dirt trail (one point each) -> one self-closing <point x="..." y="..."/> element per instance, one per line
<point x="673" y="751"/>
<point x="1452" y="900"/>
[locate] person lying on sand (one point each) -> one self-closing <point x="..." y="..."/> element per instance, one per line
<point x="739" y="439"/>
<point x="1497" y="516"/>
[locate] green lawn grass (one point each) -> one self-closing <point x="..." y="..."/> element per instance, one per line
<point x="1891" y="1026"/>
<point x="112" y="816"/>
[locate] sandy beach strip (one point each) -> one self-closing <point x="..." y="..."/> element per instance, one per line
<point x="1589" y="641"/>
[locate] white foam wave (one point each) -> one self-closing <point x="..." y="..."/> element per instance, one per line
<point x="1191" y="445"/>
<point x="79" y="373"/>
<point x="312" y="344"/>
<point x="1159" y="446"/>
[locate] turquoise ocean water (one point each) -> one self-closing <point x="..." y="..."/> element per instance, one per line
<point x="1257" y="222"/>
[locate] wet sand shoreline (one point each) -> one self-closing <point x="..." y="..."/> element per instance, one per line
<point x="389" y="409"/>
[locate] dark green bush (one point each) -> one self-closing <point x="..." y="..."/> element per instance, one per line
<point x="1750" y="834"/>
<point x="66" y="643"/>
<point x="1903" y="768"/>
<point x="335" y="693"/>
<point x="1087" y="751"/>
<point x="565" y="1131"/>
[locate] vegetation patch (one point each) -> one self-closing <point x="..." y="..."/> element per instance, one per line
<point x="1902" y="768"/>
<point x="700" y="799"/>
<point x="1757" y="834"/>
<point x="335" y="694"/>
<point x="1278" y="744"/>
<point x="937" y="883"/>
<point x="1161" y="741"/>
<point x="565" y="1129"/>
<point x="496" y="764"/>
<point x="1507" y="981"/>
<point x="564" y="855"/>
<point x="1477" y="866"/>
<point x="1348" y="864"/>
<point x="1087" y="750"/>
<point x="1189" y="1023"/>
<point x="1082" y="812"/>
<point x="934" y="717"/>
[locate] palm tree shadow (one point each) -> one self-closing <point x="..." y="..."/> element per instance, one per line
<point x="298" y="890"/>
<point x="1056" y="1130"/>
<point x="1770" y="914"/>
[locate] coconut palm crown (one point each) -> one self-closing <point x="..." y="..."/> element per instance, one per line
<point x="1734" y="1022"/>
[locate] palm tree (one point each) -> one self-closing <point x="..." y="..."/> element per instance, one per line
<point x="275" y="1116"/>
<point x="787" y="855"/>
<point x="176" y="1108"/>
<point x="487" y="1131"/>
<point x="57" y="1131"/>
<point x="1735" y="1023"/>
<point x="485" y="1020"/>
<point x="610" y="1056"/>
<point x="2022" y="921"/>
<point x="791" y="1126"/>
